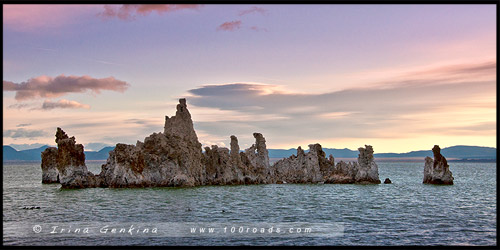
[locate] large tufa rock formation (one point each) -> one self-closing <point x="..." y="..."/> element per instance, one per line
<point x="224" y="167"/>
<point x="66" y="164"/>
<point x="256" y="162"/>
<point x="218" y="166"/>
<point x="175" y="158"/>
<point x="171" y="158"/>
<point x="314" y="167"/>
<point x="367" y="169"/>
<point x="437" y="171"/>
<point x="303" y="168"/>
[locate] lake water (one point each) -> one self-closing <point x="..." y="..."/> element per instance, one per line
<point x="406" y="212"/>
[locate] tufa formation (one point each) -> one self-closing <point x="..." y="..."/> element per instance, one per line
<point x="175" y="158"/>
<point x="437" y="171"/>
<point x="66" y="164"/>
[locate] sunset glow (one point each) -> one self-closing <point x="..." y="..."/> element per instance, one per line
<point x="397" y="77"/>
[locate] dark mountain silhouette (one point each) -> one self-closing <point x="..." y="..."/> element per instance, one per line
<point x="99" y="155"/>
<point x="458" y="152"/>
<point x="11" y="154"/>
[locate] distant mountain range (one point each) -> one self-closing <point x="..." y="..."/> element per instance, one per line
<point x="11" y="154"/>
<point x="458" y="152"/>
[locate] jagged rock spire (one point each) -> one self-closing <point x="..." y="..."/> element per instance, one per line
<point x="437" y="171"/>
<point x="181" y="124"/>
<point x="66" y="164"/>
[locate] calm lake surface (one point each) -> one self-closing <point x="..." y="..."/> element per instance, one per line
<point x="406" y="212"/>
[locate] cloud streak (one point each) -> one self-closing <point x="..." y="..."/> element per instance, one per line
<point x="63" y="104"/>
<point x="253" y="10"/>
<point x="20" y="106"/>
<point x="230" y="26"/>
<point x="23" y="133"/>
<point x="235" y="25"/>
<point x="47" y="87"/>
<point x="130" y="11"/>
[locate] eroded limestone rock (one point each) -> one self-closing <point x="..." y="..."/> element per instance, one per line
<point x="314" y="167"/>
<point x="175" y="158"/>
<point x="437" y="171"/>
<point x="303" y="168"/>
<point x="367" y="170"/>
<point x="256" y="162"/>
<point x="342" y="173"/>
<point x="66" y="164"/>
<point x="171" y="158"/>
<point x="219" y="168"/>
<point x="50" y="174"/>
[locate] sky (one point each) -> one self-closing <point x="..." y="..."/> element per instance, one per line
<point x="397" y="77"/>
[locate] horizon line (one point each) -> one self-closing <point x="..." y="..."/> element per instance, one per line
<point x="10" y="145"/>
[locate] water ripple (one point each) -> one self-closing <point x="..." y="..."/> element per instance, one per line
<point x="406" y="212"/>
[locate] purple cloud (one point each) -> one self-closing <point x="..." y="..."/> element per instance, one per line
<point x="45" y="86"/>
<point x="230" y="26"/>
<point x="253" y="10"/>
<point x="129" y="11"/>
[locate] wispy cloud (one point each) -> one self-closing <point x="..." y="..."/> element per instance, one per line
<point x="43" y="17"/>
<point x="23" y="125"/>
<point x="253" y="10"/>
<point x="63" y="104"/>
<point x="49" y="105"/>
<point x="485" y="71"/>
<point x="130" y="11"/>
<point x="237" y="24"/>
<point x="47" y="87"/>
<point x="382" y="111"/>
<point x="230" y="26"/>
<point x="20" y="105"/>
<point x="23" y="133"/>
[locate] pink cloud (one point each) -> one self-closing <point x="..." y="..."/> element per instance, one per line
<point x="129" y="11"/>
<point x="230" y="26"/>
<point x="253" y="10"/>
<point x="45" y="86"/>
<point x="32" y="17"/>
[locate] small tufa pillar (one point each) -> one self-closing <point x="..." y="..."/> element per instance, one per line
<point x="437" y="171"/>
